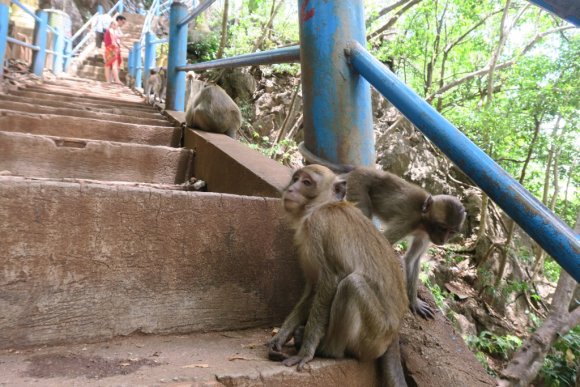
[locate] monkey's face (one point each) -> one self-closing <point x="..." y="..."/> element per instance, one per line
<point x="445" y="218"/>
<point x="311" y="185"/>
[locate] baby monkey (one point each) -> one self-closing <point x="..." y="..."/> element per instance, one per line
<point x="406" y="210"/>
<point x="354" y="299"/>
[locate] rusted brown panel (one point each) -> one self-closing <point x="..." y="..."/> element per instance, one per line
<point x="231" y="167"/>
<point x="87" y="262"/>
<point x="45" y="156"/>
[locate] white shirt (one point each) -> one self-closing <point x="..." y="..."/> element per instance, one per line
<point x="103" y="22"/>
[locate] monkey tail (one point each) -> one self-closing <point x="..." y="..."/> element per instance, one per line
<point x="391" y="368"/>
<point x="311" y="158"/>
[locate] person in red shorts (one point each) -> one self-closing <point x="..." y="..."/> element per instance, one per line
<point x="112" y="40"/>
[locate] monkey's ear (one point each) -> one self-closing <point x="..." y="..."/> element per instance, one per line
<point x="340" y="189"/>
<point x="427" y="204"/>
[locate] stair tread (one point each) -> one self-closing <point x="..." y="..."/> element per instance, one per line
<point x="233" y="358"/>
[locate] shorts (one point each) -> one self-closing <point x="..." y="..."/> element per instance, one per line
<point x="99" y="39"/>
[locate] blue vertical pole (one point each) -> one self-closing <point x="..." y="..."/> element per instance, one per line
<point x="138" y="64"/>
<point x="121" y="7"/>
<point x="67" y="54"/>
<point x="4" y="19"/>
<point x="176" y="57"/>
<point x="100" y="10"/>
<point x="149" y="56"/>
<point x="337" y="100"/>
<point x="130" y="63"/>
<point x="58" y="47"/>
<point x="39" y="57"/>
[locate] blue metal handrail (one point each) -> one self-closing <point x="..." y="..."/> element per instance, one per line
<point x="199" y="9"/>
<point x="25" y="9"/>
<point x="21" y="43"/>
<point x="555" y="237"/>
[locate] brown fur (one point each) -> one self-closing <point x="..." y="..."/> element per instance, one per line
<point x="406" y="210"/>
<point x="354" y="299"/>
<point x="211" y="109"/>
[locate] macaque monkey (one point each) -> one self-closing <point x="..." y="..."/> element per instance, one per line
<point x="156" y="84"/>
<point x="210" y="108"/>
<point x="354" y="299"/>
<point x="406" y="210"/>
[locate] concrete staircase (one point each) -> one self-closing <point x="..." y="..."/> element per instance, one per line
<point x="114" y="272"/>
<point x="103" y="242"/>
<point x="93" y="66"/>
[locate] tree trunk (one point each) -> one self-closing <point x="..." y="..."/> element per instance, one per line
<point x="393" y="20"/>
<point x="528" y="360"/>
<point x="505" y="250"/>
<point x="268" y="26"/>
<point x="224" y="38"/>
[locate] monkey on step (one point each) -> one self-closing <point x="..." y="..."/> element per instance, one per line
<point x="406" y="210"/>
<point x="354" y="299"/>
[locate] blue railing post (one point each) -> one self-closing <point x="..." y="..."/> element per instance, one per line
<point x="337" y="100"/>
<point x="58" y="47"/>
<point x="149" y="57"/>
<point x="130" y="64"/>
<point x="176" y="57"/>
<point x="67" y="54"/>
<point x="39" y="57"/>
<point x="138" y="64"/>
<point x="4" y="19"/>
<point x="100" y="10"/>
<point x="121" y="8"/>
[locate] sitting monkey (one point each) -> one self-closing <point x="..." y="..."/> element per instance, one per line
<point x="156" y="84"/>
<point x="210" y="108"/>
<point x="354" y="299"/>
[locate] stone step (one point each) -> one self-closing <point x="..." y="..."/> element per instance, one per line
<point x="231" y="358"/>
<point x="92" y="129"/>
<point x="94" y="107"/>
<point x="82" y="98"/>
<point x="68" y="112"/>
<point x="62" y="157"/>
<point x="121" y="95"/>
<point x="86" y="261"/>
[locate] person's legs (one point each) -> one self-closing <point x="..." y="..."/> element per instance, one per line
<point x="116" y="72"/>
<point x="107" y="74"/>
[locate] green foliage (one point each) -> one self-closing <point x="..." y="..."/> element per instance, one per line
<point x="501" y="347"/>
<point x="280" y="152"/>
<point x="203" y="48"/>
<point x="559" y="367"/>
<point x="439" y="294"/>
<point x="551" y="270"/>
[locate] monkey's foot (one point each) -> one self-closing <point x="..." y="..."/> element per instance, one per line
<point x="421" y="308"/>
<point x="301" y="361"/>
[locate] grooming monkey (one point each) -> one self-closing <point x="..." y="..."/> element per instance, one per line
<point x="156" y="84"/>
<point x="354" y="299"/>
<point x="210" y="108"/>
<point x="406" y="210"/>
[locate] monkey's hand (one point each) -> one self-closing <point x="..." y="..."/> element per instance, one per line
<point x="300" y="360"/>
<point x="275" y="349"/>
<point x="421" y="308"/>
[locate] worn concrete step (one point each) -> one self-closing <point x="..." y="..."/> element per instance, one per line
<point x="49" y="156"/>
<point x="83" y="98"/>
<point x="231" y="358"/>
<point x="149" y="113"/>
<point x="121" y="94"/>
<point x="68" y="112"/>
<point x="92" y="129"/>
<point x="85" y="262"/>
